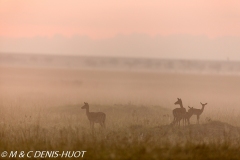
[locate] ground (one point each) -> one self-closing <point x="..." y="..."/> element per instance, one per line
<point x="40" y="109"/>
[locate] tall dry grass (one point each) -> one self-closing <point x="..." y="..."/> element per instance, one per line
<point x="40" y="109"/>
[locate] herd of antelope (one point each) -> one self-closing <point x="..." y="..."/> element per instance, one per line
<point x="178" y="114"/>
<point x="181" y="113"/>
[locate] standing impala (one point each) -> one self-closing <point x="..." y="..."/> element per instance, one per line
<point x="94" y="117"/>
<point x="188" y="115"/>
<point x="198" y="112"/>
<point x="178" y="113"/>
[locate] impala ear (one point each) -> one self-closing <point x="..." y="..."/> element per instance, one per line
<point x="189" y="107"/>
<point x="201" y="103"/>
<point x="205" y="104"/>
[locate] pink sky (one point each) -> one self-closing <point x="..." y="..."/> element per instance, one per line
<point x="108" y="18"/>
<point x="185" y="29"/>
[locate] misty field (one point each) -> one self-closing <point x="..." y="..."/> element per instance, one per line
<point x="40" y="110"/>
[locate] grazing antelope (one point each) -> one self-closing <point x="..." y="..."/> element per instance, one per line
<point x="94" y="117"/>
<point x="178" y="113"/>
<point x="198" y="112"/>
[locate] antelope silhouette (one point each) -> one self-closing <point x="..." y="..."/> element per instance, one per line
<point x="94" y="117"/>
<point x="198" y="112"/>
<point x="178" y="113"/>
<point x="188" y="115"/>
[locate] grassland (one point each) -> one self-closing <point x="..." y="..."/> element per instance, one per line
<point x="40" y="109"/>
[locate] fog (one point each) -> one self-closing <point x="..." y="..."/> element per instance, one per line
<point x="135" y="45"/>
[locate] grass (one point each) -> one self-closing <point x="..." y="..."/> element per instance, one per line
<point x="39" y="112"/>
<point x="129" y="135"/>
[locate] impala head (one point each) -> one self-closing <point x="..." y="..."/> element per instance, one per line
<point x="203" y="105"/>
<point x="190" y="110"/>
<point x="85" y="106"/>
<point x="179" y="101"/>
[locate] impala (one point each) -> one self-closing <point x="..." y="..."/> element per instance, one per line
<point x="94" y="117"/>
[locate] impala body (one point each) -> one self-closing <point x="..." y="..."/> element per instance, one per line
<point x="94" y="117"/>
<point x="188" y="115"/>
<point x="198" y="112"/>
<point x="178" y="113"/>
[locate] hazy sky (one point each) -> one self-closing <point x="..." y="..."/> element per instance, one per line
<point x="199" y="29"/>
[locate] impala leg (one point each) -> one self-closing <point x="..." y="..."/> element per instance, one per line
<point x="174" y="121"/>
<point x="91" y="127"/>
<point x="198" y="119"/>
